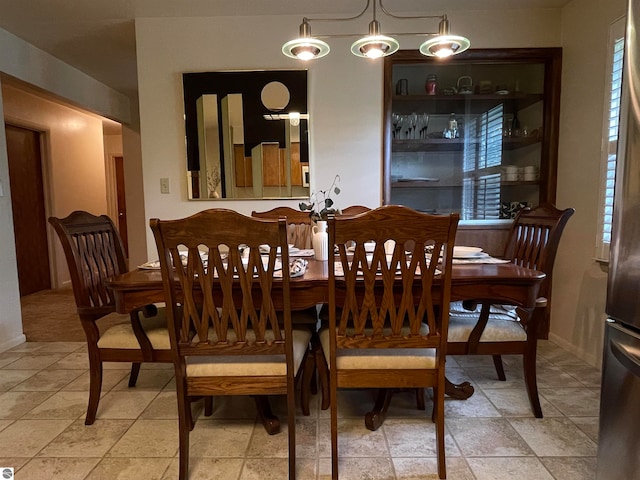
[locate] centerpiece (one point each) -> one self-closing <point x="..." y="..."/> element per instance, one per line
<point x="320" y="206"/>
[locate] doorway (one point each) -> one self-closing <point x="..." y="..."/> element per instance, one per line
<point x="29" y="212"/>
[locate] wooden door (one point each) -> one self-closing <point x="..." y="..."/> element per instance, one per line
<point x="29" y="214"/>
<point x="122" y="204"/>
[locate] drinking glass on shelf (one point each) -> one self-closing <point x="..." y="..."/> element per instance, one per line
<point x="395" y="119"/>
<point x="423" y="123"/>
<point x="413" y="121"/>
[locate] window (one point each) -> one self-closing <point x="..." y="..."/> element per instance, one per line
<point x="481" y="183"/>
<point x="610" y="137"/>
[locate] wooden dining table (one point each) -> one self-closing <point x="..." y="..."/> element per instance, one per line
<point x="502" y="283"/>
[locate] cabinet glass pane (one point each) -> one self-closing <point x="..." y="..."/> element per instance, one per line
<point x="475" y="146"/>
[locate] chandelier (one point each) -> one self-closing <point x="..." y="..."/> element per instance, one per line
<point x="375" y="45"/>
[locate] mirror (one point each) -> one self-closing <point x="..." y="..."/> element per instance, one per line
<point x="247" y="134"/>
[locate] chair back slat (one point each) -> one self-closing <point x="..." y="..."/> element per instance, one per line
<point x="219" y="284"/>
<point x="383" y="295"/>
<point x="94" y="252"/>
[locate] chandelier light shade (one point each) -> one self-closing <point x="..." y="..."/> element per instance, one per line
<point x="375" y="45"/>
<point x="444" y="44"/>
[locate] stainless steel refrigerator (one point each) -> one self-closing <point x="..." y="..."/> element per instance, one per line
<point x="619" y="436"/>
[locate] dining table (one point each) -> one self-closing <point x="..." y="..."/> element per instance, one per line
<point x="498" y="282"/>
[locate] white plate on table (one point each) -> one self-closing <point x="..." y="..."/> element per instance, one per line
<point x="466" y="252"/>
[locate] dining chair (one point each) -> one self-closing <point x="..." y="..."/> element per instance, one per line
<point x="94" y="252"/>
<point x="483" y="328"/>
<point x="299" y="235"/>
<point x="353" y="210"/>
<point x="388" y="310"/>
<point x="323" y="315"/>
<point x="299" y="224"/>
<point x="229" y="336"/>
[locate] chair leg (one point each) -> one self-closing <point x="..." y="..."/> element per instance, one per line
<point x="291" y="421"/>
<point x="420" y="399"/>
<point x="315" y="351"/>
<point x="208" y="406"/>
<point x="185" y="425"/>
<point x="95" y="387"/>
<point x="334" y="428"/>
<point x="135" y="370"/>
<point x="529" y="363"/>
<point x="308" y="381"/>
<point x="438" y="406"/>
<point x="497" y="362"/>
<point x="323" y="377"/>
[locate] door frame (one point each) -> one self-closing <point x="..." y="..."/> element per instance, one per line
<point x="112" y="188"/>
<point x="45" y="156"/>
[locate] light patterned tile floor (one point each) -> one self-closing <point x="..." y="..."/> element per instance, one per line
<point x="493" y="435"/>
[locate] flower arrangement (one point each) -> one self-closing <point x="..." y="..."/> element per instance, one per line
<point x="213" y="181"/>
<point x="320" y="204"/>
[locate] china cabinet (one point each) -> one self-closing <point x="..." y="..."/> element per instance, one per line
<point x="475" y="134"/>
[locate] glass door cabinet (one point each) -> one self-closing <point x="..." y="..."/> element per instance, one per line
<point x="475" y="134"/>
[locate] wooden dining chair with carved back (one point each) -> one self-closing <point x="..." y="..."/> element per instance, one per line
<point x="299" y="233"/>
<point x="388" y="311"/>
<point x="483" y="328"/>
<point x="299" y="225"/>
<point x="353" y="210"/>
<point x="94" y="252"/>
<point x="323" y="314"/>
<point x="228" y="335"/>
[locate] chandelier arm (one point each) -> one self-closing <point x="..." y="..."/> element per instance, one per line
<point x="388" y="13"/>
<point x="406" y="34"/>
<point x="366" y="7"/>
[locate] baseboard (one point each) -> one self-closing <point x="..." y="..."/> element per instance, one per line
<point x="578" y="352"/>
<point x="13" y="342"/>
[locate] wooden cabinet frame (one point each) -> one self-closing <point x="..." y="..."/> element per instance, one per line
<point x="551" y="58"/>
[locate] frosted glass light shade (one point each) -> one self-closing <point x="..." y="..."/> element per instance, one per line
<point x="444" y="46"/>
<point x="375" y="46"/>
<point x="305" y="48"/>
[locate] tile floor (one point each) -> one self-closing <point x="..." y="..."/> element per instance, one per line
<point x="43" y="394"/>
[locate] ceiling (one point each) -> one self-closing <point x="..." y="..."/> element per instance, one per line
<point x="98" y="36"/>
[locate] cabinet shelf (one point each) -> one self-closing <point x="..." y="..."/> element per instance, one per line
<point x="513" y="143"/>
<point x="471" y="103"/>
<point x="456" y="144"/>
<point x="423" y="184"/>
<point x="520" y="183"/>
<point x="429" y="145"/>
<point x="435" y="184"/>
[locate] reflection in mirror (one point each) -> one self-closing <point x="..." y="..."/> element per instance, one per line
<point x="247" y="134"/>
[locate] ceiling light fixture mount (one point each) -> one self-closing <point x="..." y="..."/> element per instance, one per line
<point x="375" y="45"/>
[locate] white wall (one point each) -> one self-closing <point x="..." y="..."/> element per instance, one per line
<point x="345" y="94"/>
<point x="579" y="290"/>
<point x="10" y="316"/>
<point x="29" y="64"/>
<point x="74" y="167"/>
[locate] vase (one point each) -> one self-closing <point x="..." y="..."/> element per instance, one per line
<point x="320" y="240"/>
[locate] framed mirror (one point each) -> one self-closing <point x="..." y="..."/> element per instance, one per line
<point x="247" y="134"/>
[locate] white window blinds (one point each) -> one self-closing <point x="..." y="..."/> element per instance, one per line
<point x="610" y="138"/>
<point x="481" y="182"/>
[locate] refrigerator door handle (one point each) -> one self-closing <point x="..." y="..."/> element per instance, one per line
<point x="626" y="358"/>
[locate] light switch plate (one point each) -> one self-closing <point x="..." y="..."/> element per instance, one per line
<point x="164" y="185"/>
<point x="1" y="189"/>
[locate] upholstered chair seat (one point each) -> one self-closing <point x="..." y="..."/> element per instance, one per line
<point x="122" y="335"/>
